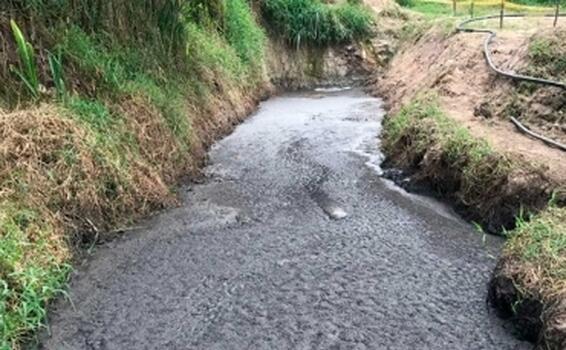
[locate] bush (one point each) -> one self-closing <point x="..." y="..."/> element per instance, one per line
<point x="311" y="22"/>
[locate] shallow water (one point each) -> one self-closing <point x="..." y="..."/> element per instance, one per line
<point x="292" y="242"/>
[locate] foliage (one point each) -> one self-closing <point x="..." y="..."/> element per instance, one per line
<point x="28" y="69"/>
<point x="243" y="34"/>
<point x="311" y="22"/>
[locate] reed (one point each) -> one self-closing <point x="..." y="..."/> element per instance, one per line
<point x="27" y="71"/>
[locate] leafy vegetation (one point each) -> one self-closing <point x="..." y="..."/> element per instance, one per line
<point x="311" y="22"/>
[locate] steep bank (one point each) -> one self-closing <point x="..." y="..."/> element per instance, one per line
<point x="106" y="107"/>
<point x="449" y="129"/>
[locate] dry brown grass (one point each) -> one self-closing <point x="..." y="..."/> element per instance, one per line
<point x="48" y="160"/>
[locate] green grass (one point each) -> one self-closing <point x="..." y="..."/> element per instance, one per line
<point x="439" y="8"/>
<point x="538" y="246"/>
<point x="455" y="140"/>
<point x="310" y="22"/>
<point x="457" y="164"/>
<point x="243" y="34"/>
<point x="27" y="280"/>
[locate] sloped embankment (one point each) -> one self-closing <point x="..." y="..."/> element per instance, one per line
<point x="444" y="131"/>
<point x="107" y="105"/>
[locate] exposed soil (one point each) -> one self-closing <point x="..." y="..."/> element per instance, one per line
<point x="454" y="67"/>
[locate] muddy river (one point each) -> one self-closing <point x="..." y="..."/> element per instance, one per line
<point x="293" y="241"/>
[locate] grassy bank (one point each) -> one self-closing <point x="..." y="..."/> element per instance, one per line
<point x="104" y="106"/>
<point x="529" y="284"/>
<point x="103" y="109"/>
<point x="488" y="187"/>
<point x="501" y="194"/>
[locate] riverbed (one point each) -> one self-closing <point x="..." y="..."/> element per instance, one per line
<point x="291" y="241"/>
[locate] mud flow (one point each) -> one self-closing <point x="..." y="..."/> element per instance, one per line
<point x="292" y="242"/>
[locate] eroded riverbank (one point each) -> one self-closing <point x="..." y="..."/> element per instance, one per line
<point x="292" y="242"/>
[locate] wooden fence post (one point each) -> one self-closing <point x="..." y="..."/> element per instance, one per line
<point x="502" y="14"/>
<point x="557" y="14"/>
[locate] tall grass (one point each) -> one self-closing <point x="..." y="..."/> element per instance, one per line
<point x="311" y="22"/>
<point x="243" y="34"/>
<point x="28" y="68"/>
<point x="56" y="67"/>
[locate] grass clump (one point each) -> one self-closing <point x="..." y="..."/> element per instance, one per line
<point x="529" y="283"/>
<point x="243" y="34"/>
<point x="538" y="246"/>
<point x="547" y="56"/>
<point x="311" y="22"/>
<point x="27" y="281"/>
<point x="487" y="186"/>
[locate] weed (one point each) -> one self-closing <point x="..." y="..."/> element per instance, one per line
<point x="28" y="69"/>
<point x="56" y="67"/>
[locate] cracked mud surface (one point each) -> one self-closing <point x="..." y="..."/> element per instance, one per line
<point x="292" y="242"/>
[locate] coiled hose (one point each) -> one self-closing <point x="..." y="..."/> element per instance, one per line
<point x="487" y="54"/>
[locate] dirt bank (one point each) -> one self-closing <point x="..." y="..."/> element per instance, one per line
<point x="448" y="128"/>
<point x="456" y="71"/>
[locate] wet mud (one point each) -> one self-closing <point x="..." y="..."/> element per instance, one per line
<point x="293" y="241"/>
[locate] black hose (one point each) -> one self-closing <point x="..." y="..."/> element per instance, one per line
<point x="538" y="136"/>
<point x="487" y="53"/>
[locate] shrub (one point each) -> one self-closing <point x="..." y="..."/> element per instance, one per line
<point x="311" y="22"/>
